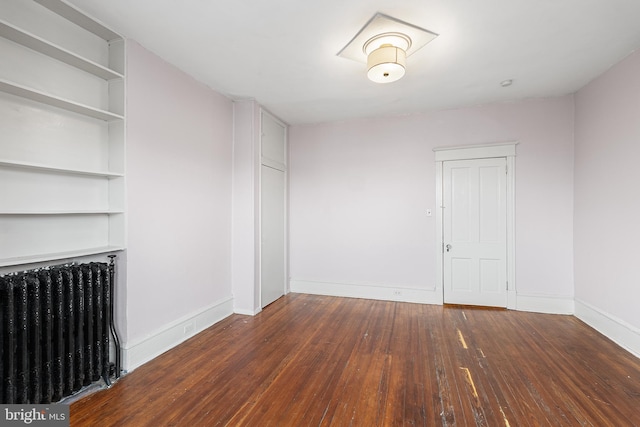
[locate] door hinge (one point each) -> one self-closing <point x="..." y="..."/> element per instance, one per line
<point x="507" y="285"/>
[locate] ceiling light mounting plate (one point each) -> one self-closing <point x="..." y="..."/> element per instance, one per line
<point x="370" y="37"/>
<point x="391" y="39"/>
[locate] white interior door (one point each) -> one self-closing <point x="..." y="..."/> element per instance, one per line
<point x="272" y="259"/>
<point x="273" y="220"/>
<point x="474" y="232"/>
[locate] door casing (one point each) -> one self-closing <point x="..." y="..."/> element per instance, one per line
<point x="470" y="152"/>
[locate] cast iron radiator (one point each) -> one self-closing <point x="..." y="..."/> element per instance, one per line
<point x="54" y="330"/>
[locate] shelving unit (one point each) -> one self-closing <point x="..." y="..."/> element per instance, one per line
<point x="62" y="117"/>
<point x="38" y="44"/>
<point x="54" y="101"/>
<point x="24" y="165"/>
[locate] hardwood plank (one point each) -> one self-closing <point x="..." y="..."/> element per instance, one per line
<point x="323" y="361"/>
<point x="508" y="376"/>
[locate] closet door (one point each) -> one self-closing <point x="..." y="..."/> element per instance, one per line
<point x="273" y="196"/>
<point x="272" y="235"/>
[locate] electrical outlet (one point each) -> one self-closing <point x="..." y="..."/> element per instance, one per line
<point x="397" y="292"/>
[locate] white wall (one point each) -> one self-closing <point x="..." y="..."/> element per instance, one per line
<point x="245" y="241"/>
<point x="607" y="203"/>
<point x="179" y="148"/>
<point x="360" y="191"/>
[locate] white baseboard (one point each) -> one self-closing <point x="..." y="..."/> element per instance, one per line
<point x="368" y="291"/>
<point x="617" y="330"/>
<point x="534" y="303"/>
<point x="138" y="353"/>
<point x="550" y="304"/>
<point x="247" y="312"/>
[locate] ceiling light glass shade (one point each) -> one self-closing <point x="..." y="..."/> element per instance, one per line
<point x="386" y="64"/>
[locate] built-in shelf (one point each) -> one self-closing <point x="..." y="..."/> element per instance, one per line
<point x="72" y="14"/>
<point x="38" y="44"/>
<point x="60" y="201"/>
<point x="57" y="255"/>
<point x="63" y="212"/>
<point x="54" y="101"/>
<point x="45" y="168"/>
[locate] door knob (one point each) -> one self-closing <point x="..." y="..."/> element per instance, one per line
<point x="448" y="247"/>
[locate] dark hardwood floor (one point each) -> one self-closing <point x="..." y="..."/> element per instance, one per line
<point x="311" y="360"/>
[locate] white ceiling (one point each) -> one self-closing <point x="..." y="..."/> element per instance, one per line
<point x="283" y="53"/>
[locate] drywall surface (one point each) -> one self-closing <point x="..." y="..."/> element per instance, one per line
<point x="179" y="148"/>
<point x="607" y="194"/>
<point x="360" y="192"/>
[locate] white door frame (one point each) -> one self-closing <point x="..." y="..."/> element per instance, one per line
<point x="470" y="152"/>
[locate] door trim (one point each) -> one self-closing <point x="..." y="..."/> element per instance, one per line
<point x="469" y="152"/>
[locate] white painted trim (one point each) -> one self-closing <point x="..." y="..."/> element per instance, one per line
<point x="274" y="165"/>
<point x="439" y="233"/>
<point x="482" y="151"/>
<point x="258" y="210"/>
<point x="511" y="231"/>
<point x="617" y="330"/>
<point x="367" y="291"/>
<point x="141" y="351"/>
<point x="551" y="304"/>
<point x="247" y="312"/>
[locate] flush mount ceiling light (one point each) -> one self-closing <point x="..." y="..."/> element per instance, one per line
<point x="386" y="56"/>
<point x="384" y="43"/>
